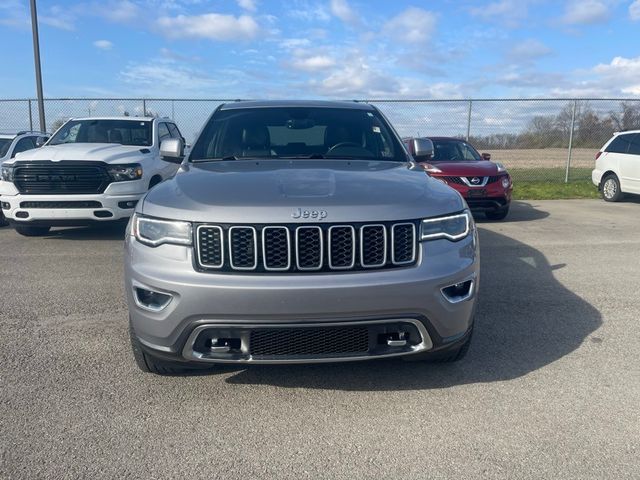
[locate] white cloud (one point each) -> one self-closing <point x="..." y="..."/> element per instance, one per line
<point x="510" y="12"/>
<point x="413" y="25"/>
<point x="213" y="26"/>
<point x="634" y="11"/>
<point x="585" y="12"/>
<point x="120" y="11"/>
<point x="314" y="63"/>
<point x="528" y="49"/>
<point x="621" y="73"/>
<point x="342" y="10"/>
<point x="291" y="43"/>
<point x="249" y="5"/>
<point x="103" y="44"/>
<point x="157" y="77"/>
<point x="310" y="12"/>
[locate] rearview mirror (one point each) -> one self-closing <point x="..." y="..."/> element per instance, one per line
<point x="40" y="141"/>
<point x="172" y="150"/>
<point x="486" y="156"/>
<point x="422" y="148"/>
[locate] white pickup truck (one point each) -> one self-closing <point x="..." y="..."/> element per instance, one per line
<point x="91" y="170"/>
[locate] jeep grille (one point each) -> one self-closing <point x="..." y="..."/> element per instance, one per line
<point x="305" y="248"/>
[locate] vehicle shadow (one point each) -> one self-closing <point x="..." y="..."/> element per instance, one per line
<point x="526" y="320"/>
<point x="519" y="212"/>
<point x="107" y="231"/>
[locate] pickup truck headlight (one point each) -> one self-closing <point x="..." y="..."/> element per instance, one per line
<point x="7" y="174"/>
<point x="122" y="173"/>
<point x="154" y="231"/>
<point x="451" y="227"/>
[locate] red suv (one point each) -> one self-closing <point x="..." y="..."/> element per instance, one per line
<point x="485" y="185"/>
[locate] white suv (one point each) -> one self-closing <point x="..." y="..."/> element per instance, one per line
<point x="618" y="166"/>
<point x="14" y="143"/>
<point x="91" y="170"/>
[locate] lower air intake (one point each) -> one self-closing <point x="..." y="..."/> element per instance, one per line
<point x="303" y="342"/>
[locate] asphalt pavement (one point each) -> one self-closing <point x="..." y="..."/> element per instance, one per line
<point x="550" y="388"/>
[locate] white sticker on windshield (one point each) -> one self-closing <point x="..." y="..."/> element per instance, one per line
<point x="376" y="129"/>
<point x="370" y="114"/>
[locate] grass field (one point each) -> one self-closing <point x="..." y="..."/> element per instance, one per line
<point x="541" y="190"/>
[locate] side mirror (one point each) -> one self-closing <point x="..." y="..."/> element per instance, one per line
<point x="171" y="150"/>
<point x="422" y="148"/>
<point x="40" y="141"/>
<point x="486" y="156"/>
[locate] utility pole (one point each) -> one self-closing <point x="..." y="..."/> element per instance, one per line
<point x="36" y="58"/>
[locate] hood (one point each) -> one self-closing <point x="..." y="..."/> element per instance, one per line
<point x="281" y="191"/>
<point x="102" y="152"/>
<point x="481" y="168"/>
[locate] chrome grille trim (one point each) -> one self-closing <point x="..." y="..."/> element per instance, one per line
<point x="255" y="247"/>
<point x="264" y="248"/>
<point x="321" y="239"/>
<point x="304" y="248"/>
<point x="198" y="250"/>
<point x="384" y="258"/>
<point x="353" y="248"/>
<point x="393" y="243"/>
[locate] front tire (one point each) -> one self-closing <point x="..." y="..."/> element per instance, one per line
<point x="611" y="188"/>
<point x="3" y="220"/>
<point x="150" y="364"/>
<point x="32" y="230"/>
<point x="499" y="214"/>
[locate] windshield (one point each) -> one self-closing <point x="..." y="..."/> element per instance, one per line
<point x="454" y="150"/>
<point x="124" y="132"/>
<point x="297" y="132"/>
<point x="5" y="143"/>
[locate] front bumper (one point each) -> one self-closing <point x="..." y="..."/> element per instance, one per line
<point x="117" y="202"/>
<point x="491" y="197"/>
<point x="230" y="306"/>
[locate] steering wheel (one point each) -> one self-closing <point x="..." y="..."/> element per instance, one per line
<point x="343" y="144"/>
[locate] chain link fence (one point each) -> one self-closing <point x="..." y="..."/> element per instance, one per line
<point x="537" y="139"/>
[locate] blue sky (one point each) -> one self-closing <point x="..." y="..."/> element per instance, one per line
<point x="324" y="48"/>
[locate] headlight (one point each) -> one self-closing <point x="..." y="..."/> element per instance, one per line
<point x="7" y="174"/>
<point x="121" y="173"/>
<point x="154" y="232"/>
<point x="506" y="182"/>
<point x="501" y="167"/>
<point x="452" y="227"/>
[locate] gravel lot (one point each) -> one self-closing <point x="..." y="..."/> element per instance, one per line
<point x="550" y="389"/>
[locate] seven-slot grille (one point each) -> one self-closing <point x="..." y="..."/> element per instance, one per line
<point x="305" y="248"/>
<point x="61" y="177"/>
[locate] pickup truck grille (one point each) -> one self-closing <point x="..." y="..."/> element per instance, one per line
<point x="66" y="178"/>
<point x="305" y="248"/>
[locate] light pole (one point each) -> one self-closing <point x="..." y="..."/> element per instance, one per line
<point x="36" y="57"/>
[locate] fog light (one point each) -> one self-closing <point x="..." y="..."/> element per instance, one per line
<point x="458" y="292"/>
<point x="6" y="205"/>
<point x="127" y="204"/>
<point x="151" y="300"/>
<point x="506" y="182"/>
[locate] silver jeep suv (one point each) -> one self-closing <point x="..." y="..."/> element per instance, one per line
<point x="299" y="232"/>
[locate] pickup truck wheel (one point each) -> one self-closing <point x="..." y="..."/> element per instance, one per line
<point x="3" y="220"/>
<point x="447" y="356"/>
<point x="611" y="188"/>
<point x="150" y="364"/>
<point x="499" y="214"/>
<point x="32" y="230"/>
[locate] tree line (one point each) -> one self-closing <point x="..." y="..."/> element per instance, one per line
<point x="591" y="130"/>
